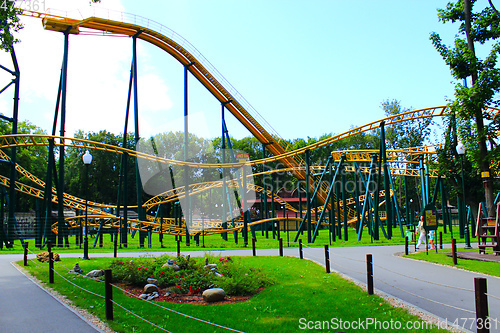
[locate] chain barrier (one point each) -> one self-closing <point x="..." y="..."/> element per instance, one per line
<point x="141" y="318"/>
<point x="177" y="312"/>
<point x="127" y="292"/>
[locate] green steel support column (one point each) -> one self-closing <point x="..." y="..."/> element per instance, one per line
<point x="344" y="204"/>
<point x="245" y="208"/>
<point x="329" y="194"/>
<point x="407" y="202"/>
<point x="224" y="185"/>
<point x="187" y="195"/>
<point x="331" y="224"/>
<point x="367" y="204"/>
<point x="123" y="181"/>
<point x="395" y="205"/>
<point x="300" y="198"/>
<point x="387" y="186"/>
<point x="422" y="181"/>
<point x="3" y="237"/>
<point x="140" y="210"/>
<point x="337" y="220"/>
<point x="443" y="206"/>
<point x="13" y="158"/>
<point x="264" y="185"/>
<point x="356" y="200"/>
<point x="461" y="223"/>
<point x="308" y="195"/>
<point x="377" y="222"/>
<point x="62" y="236"/>
<point x="427" y="184"/>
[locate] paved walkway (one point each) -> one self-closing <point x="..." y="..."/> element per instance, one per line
<point x="445" y="292"/>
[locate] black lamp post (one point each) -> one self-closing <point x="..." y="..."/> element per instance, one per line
<point x="87" y="159"/>
<point x="461" y="152"/>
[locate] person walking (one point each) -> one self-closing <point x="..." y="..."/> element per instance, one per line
<point x="420" y="230"/>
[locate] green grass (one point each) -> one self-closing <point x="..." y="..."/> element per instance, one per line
<point x="215" y="242"/>
<point x="491" y="268"/>
<point x="302" y="289"/>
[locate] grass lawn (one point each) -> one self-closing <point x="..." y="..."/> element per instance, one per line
<point x="491" y="268"/>
<point x="302" y="296"/>
<point x="215" y="242"/>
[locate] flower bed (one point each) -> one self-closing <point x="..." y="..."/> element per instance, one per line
<point x="186" y="276"/>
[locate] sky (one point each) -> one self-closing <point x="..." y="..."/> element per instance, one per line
<point x="308" y="67"/>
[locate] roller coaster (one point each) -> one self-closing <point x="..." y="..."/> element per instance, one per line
<point x="373" y="209"/>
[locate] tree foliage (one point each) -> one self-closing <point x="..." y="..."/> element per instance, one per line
<point x="9" y="24"/>
<point x="463" y="61"/>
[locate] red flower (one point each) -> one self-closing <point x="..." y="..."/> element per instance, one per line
<point x="162" y="273"/>
<point x="139" y="267"/>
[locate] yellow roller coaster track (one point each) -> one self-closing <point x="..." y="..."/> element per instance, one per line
<point x="201" y="69"/>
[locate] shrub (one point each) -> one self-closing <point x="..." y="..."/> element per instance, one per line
<point x="192" y="277"/>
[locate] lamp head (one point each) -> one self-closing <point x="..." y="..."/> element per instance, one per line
<point x="87" y="158"/>
<point x="460" y="148"/>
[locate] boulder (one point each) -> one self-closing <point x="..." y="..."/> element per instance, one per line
<point x="153" y="281"/>
<point x="173" y="266"/>
<point x="95" y="273"/>
<point x="76" y="270"/>
<point x="210" y="266"/>
<point x="149" y="288"/>
<point x="214" y="295"/>
<point x="44" y="256"/>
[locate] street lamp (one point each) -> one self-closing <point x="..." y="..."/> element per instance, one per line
<point x="87" y="159"/>
<point x="461" y="151"/>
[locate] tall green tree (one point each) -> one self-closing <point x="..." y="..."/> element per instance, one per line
<point x="475" y="127"/>
<point x="9" y="24"/>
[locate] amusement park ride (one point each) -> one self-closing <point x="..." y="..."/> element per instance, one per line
<point x="327" y="205"/>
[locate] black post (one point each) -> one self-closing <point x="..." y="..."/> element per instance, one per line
<point x="406" y="245"/>
<point x="178" y="247"/>
<point x="440" y="240"/>
<point x="51" y="262"/>
<point x="254" y="252"/>
<point x="369" y="274"/>
<point x="327" y="259"/>
<point x="301" y="254"/>
<point x="480" y="291"/>
<point x="281" y="246"/>
<point x="108" y="294"/>
<point x="454" y="250"/>
<point x="115" y="246"/>
<point x="25" y="253"/>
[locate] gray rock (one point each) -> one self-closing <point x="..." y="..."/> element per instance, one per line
<point x="77" y="269"/>
<point x="149" y="288"/>
<point x="152" y="296"/>
<point x="214" y="295"/>
<point x="210" y="266"/>
<point x="153" y="281"/>
<point x="174" y="266"/>
<point x="95" y="273"/>
<point x="143" y="296"/>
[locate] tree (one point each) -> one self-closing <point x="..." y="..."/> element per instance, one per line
<point x="31" y="158"/>
<point x="9" y="24"/>
<point x="475" y="28"/>
<point x="406" y="134"/>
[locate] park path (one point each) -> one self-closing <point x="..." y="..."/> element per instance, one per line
<point x="444" y="292"/>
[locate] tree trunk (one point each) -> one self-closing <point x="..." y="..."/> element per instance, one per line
<point x="478" y="114"/>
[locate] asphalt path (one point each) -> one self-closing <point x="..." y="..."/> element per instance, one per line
<point x="446" y="293"/>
